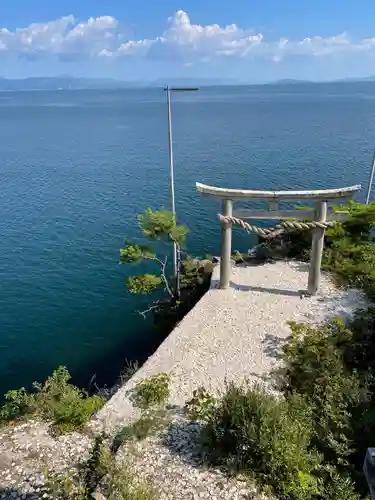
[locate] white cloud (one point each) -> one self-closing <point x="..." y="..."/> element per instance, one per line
<point x="63" y="37"/>
<point x="182" y="40"/>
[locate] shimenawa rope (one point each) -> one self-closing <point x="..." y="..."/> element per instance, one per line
<point x="283" y="227"/>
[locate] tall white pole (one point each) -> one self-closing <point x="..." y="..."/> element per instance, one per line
<point x="371" y="180"/>
<point x="171" y="174"/>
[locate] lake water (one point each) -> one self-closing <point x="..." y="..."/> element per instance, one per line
<point x="76" y="167"/>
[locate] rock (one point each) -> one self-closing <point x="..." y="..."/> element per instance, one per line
<point x="98" y="496"/>
<point x="263" y="252"/>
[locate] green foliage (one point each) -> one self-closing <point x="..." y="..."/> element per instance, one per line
<point x="201" y="406"/>
<point x="96" y="466"/>
<point x="332" y="366"/>
<point x="149" y="424"/>
<point x="56" y="400"/>
<point x="144" y="284"/>
<point x="151" y="392"/>
<point x="315" y="368"/>
<point x="156" y="225"/>
<point x="16" y="405"/>
<point x="161" y="224"/>
<point x="122" y="484"/>
<point x="179" y="295"/>
<point x="132" y="253"/>
<point x="114" y="479"/>
<point x="66" y="487"/>
<point x="340" y="487"/>
<point x="349" y="251"/>
<point x="150" y="396"/>
<point x="360" y="354"/>
<point x="194" y="272"/>
<point x="251" y="430"/>
<point x="275" y="440"/>
<point x="65" y="405"/>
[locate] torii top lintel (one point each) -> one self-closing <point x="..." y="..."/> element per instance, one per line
<point x="250" y="194"/>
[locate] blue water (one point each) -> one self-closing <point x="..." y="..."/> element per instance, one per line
<point x="76" y="167"/>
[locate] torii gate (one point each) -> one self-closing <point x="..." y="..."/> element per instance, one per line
<point x="318" y="217"/>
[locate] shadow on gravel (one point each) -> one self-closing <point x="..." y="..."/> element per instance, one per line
<point x="15" y="494"/>
<point x="272" y="346"/>
<point x="272" y="291"/>
<point x="268" y="379"/>
<point x="302" y="267"/>
<point x="182" y="438"/>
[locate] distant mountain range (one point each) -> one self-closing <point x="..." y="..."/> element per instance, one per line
<point x="72" y="83"/>
<point x="292" y="81"/>
<point x="370" y="78"/>
<point x="289" y="81"/>
<point x="59" y="82"/>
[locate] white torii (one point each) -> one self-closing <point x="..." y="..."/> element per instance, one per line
<point x="320" y="196"/>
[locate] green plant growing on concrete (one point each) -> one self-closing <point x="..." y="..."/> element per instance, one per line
<point x="130" y="368"/>
<point x="150" y="397"/>
<point x="149" y="424"/>
<point x="172" y="296"/>
<point x="152" y="392"/>
<point x="159" y="226"/>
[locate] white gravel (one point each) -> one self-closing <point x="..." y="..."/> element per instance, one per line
<point x="236" y="333"/>
<point x="28" y="451"/>
<point x="172" y="463"/>
<point x="232" y="335"/>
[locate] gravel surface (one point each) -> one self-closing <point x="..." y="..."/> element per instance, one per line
<point x="28" y="448"/>
<point x="232" y="334"/>
<point x="173" y="463"/>
<point x="236" y="333"/>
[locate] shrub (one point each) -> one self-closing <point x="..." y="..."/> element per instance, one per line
<point x="99" y="471"/>
<point x="55" y="400"/>
<point x="349" y="252"/>
<point x="201" y="406"/>
<point x="17" y="404"/>
<point x="327" y="365"/>
<point x="315" y="369"/>
<point x="251" y="430"/>
<point x="68" y="407"/>
<point x="273" y="439"/>
<point x="340" y="487"/>
<point x="151" y="392"/>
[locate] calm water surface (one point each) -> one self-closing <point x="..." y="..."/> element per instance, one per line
<point x="76" y="167"/>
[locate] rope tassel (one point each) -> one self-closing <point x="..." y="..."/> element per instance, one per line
<point x="283" y="227"/>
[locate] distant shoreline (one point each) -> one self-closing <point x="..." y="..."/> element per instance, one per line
<point x="75" y="84"/>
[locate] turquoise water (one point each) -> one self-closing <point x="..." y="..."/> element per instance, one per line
<point x="76" y="168"/>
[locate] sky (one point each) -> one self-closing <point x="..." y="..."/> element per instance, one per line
<point x="250" y="41"/>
